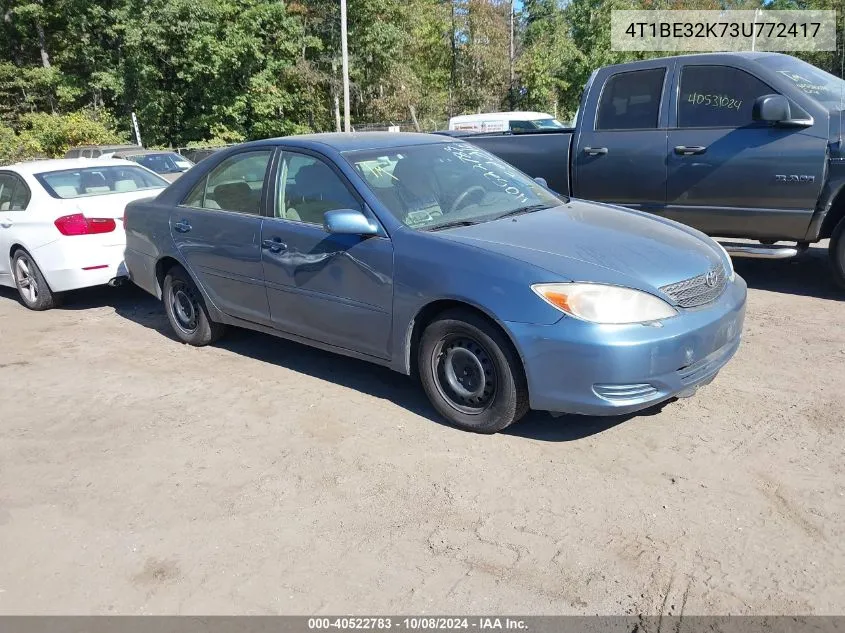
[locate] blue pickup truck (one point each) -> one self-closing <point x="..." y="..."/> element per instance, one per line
<point x="737" y="145"/>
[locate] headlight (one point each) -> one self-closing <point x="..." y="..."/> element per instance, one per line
<point x="730" y="264"/>
<point x="604" y="304"/>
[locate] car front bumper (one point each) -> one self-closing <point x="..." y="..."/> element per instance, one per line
<point x="578" y="367"/>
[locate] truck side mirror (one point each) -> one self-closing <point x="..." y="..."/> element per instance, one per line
<point x="771" y="108"/>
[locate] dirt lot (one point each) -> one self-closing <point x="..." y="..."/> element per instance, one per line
<point x="138" y="475"/>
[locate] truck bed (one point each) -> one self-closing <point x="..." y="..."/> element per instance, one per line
<point x="538" y="154"/>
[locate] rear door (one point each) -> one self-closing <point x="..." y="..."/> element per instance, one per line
<point x="732" y="176"/>
<point x="337" y="289"/>
<point x="217" y="230"/>
<point x="14" y="200"/>
<point x="620" y="155"/>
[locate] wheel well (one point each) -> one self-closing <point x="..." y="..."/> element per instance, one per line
<point x="14" y="249"/>
<point x="163" y="266"/>
<point x="433" y="310"/>
<point x="834" y="215"/>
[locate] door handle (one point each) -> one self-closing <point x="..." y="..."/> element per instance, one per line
<point x="276" y="245"/>
<point x="689" y="150"/>
<point x="182" y="226"/>
<point x="6" y="223"/>
<point x="595" y="151"/>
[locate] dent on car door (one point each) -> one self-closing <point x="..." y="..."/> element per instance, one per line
<point x="337" y="289"/>
<point x="730" y="175"/>
<point x="621" y="155"/>
<point x="217" y="230"/>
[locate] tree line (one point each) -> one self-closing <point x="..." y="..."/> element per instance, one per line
<point x="222" y="71"/>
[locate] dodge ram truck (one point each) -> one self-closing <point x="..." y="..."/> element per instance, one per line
<point x="737" y="145"/>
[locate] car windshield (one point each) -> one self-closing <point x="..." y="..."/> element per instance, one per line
<point x="98" y="181"/>
<point x="434" y="186"/>
<point x="164" y="163"/>
<point x="825" y="88"/>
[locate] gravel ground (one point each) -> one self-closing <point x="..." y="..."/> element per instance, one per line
<point x="138" y="475"/>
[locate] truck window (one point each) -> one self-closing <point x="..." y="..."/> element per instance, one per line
<point x="631" y="101"/>
<point x="718" y="96"/>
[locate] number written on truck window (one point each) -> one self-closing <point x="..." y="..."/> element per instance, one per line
<point x="718" y="96"/>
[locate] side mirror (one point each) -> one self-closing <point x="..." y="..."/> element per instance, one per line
<point x="771" y="108"/>
<point x="542" y="182"/>
<point x="348" y="222"/>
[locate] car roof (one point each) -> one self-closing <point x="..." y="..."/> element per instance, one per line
<point x="349" y="142"/>
<point x="107" y="148"/>
<point x="142" y="152"/>
<point x="505" y="116"/>
<point x="59" y="164"/>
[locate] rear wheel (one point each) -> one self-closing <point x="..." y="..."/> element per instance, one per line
<point x="837" y="252"/>
<point x="186" y="310"/>
<point x="471" y="373"/>
<point x="32" y="287"/>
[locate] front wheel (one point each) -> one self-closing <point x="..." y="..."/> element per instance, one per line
<point x="837" y="252"/>
<point x="32" y="287"/>
<point x="471" y="373"/>
<point x="186" y="310"/>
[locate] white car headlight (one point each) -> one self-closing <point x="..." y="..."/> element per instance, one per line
<point x="604" y="304"/>
<point x="728" y="262"/>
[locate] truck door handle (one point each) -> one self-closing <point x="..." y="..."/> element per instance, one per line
<point x="276" y="245"/>
<point x="689" y="150"/>
<point x="182" y="226"/>
<point x="595" y="151"/>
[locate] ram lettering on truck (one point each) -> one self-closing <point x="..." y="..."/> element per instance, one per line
<point x="737" y="145"/>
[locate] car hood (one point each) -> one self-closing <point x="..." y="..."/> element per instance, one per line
<point x="587" y="241"/>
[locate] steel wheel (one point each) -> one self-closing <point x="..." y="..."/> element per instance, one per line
<point x="465" y="374"/>
<point x="184" y="308"/>
<point x="27" y="282"/>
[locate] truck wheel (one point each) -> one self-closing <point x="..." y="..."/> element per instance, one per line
<point x="471" y="373"/>
<point x="837" y="253"/>
<point x="186" y="310"/>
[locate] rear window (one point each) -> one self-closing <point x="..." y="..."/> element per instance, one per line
<point x="631" y="100"/>
<point x="98" y="181"/>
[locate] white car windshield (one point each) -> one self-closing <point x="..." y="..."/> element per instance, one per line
<point x="428" y="187"/>
<point x="163" y="163"/>
<point x="97" y="181"/>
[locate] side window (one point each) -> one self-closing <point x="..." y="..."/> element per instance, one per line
<point x="718" y="96"/>
<point x="20" y="196"/>
<point x="236" y="184"/>
<point x="522" y="126"/>
<point x="307" y="188"/>
<point x="7" y="190"/>
<point x="631" y="101"/>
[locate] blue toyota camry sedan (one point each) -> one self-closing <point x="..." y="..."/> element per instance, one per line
<point x="436" y="259"/>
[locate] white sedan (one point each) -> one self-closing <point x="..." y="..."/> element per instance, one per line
<point x="61" y="224"/>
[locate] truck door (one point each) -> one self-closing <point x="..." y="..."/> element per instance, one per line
<point x="620" y="153"/>
<point x="731" y="176"/>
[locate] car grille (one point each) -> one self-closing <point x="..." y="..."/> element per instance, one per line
<point x="698" y="290"/>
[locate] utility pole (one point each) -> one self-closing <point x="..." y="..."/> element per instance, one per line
<point x="345" y="54"/>
<point x="510" y="85"/>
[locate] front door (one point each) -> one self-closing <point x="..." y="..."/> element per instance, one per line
<point x="217" y="230"/>
<point x="337" y="289"/>
<point x="732" y="176"/>
<point x="620" y="157"/>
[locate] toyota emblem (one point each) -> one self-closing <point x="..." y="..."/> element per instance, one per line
<point x="711" y="279"/>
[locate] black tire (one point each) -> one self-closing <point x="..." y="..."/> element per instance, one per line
<point x="837" y="253"/>
<point x="453" y="351"/>
<point x="186" y="310"/>
<point x="33" y="289"/>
